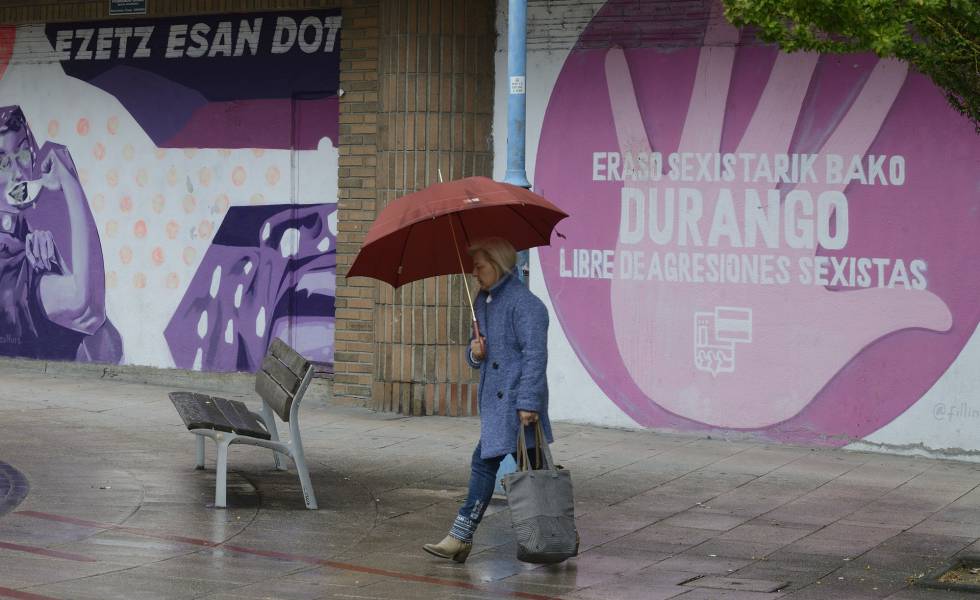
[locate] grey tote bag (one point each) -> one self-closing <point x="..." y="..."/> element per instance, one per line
<point x="541" y="506"/>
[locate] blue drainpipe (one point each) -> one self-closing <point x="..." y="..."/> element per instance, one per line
<point x="516" y="106"/>
<point x="516" y="117"/>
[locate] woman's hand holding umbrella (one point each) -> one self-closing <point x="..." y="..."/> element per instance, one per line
<point x="478" y="348"/>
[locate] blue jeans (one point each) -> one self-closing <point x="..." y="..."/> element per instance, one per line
<point x="483" y="479"/>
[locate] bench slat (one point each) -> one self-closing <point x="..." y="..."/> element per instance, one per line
<point x="281" y="373"/>
<point x="289" y="357"/>
<point x="200" y="411"/>
<point x="275" y="396"/>
<point x="243" y="421"/>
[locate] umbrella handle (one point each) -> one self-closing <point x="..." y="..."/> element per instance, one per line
<point x="469" y="298"/>
<point x="476" y="331"/>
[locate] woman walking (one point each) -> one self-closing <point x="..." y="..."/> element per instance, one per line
<point x="512" y="356"/>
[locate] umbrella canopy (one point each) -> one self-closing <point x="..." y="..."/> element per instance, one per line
<point x="427" y="233"/>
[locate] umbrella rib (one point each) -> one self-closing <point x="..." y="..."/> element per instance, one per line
<point x="401" y="257"/>
<point x="547" y="239"/>
<point x="462" y="226"/>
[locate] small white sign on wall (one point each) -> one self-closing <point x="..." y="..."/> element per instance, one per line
<point x="127" y="7"/>
<point x="517" y="84"/>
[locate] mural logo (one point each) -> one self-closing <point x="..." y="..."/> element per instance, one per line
<point x="715" y="336"/>
<point x="725" y="175"/>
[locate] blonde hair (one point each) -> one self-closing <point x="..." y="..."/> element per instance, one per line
<point x="499" y="252"/>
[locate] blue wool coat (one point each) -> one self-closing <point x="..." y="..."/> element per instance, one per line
<point x="513" y="373"/>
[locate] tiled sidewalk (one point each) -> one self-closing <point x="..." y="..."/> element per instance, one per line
<point x="116" y="510"/>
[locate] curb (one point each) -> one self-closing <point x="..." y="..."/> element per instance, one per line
<point x="237" y="383"/>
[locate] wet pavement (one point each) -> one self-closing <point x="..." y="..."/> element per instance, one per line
<point x="115" y="509"/>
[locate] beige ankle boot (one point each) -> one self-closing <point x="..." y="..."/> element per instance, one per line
<point x="450" y="548"/>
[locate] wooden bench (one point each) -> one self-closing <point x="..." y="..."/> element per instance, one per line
<point x="281" y="383"/>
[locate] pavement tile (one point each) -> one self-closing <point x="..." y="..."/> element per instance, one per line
<point x="852" y="531"/>
<point x="839" y="549"/>
<point x="737" y="548"/>
<point x="665" y="538"/>
<point x="715" y="594"/>
<point x="743" y="584"/>
<point x="591" y="537"/>
<point x="842" y="591"/>
<point x="665" y="576"/>
<point x="903" y="517"/>
<point x="626" y="591"/>
<point x="613" y="518"/>
<point x="796" y="579"/>
<point x="657" y="504"/>
<point x="125" y="549"/>
<point x="948" y="528"/>
<point x="793" y="559"/>
<point x="959" y="513"/>
<point x="754" y="531"/>
<point x="701" y="518"/>
<point x="925" y="544"/>
<point x="22" y="569"/>
<point x="617" y="560"/>
<point x="130" y="584"/>
<point x="702" y="564"/>
<point x="880" y="559"/>
<point x="917" y="593"/>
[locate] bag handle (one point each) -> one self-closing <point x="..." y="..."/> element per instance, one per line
<point x="540" y="447"/>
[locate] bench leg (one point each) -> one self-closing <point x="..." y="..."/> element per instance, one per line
<point x="309" y="496"/>
<point x="270" y="425"/>
<point x="221" y="475"/>
<point x="200" y="451"/>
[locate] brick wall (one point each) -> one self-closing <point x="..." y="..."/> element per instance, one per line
<point x="435" y="112"/>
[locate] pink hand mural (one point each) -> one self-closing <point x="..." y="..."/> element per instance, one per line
<point x="653" y="324"/>
<point x="834" y="302"/>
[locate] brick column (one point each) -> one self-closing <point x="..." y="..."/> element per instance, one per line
<point x="354" y="358"/>
<point x="436" y="83"/>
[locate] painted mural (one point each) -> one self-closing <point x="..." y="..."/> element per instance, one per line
<point x="181" y="210"/>
<point x="52" y="288"/>
<point x="760" y="241"/>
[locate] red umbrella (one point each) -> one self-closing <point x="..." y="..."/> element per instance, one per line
<point x="427" y="233"/>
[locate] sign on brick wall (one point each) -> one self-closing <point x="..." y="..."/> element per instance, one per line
<point x="127" y="7"/>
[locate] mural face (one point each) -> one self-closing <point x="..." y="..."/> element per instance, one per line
<point x="760" y="241"/>
<point x="182" y="132"/>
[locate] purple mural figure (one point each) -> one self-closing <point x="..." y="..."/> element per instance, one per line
<point x="52" y="279"/>
<point x="270" y="272"/>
